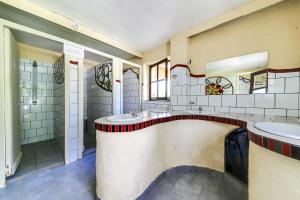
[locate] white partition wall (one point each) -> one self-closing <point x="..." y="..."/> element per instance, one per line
<point x="73" y="108"/>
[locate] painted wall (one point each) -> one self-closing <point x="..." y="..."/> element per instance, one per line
<point x="275" y="29"/>
<point x="12" y="112"/>
<point x="272" y="176"/>
<point x="131" y="91"/>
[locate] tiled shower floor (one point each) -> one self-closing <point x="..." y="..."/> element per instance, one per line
<point x="40" y="155"/>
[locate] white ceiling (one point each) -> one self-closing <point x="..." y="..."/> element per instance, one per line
<point x="140" y="24"/>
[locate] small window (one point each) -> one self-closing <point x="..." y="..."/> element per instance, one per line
<point x="159" y="80"/>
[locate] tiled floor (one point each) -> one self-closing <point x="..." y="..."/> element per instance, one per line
<point x="40" y="155"/>
<point x="196" y="184"/>
<point x="77" y="181"/>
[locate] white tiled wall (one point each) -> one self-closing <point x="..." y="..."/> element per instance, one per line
<point x="59" y="115"/>
<point x="73" y="131"/>
<point x="147" y="105"/>
<point x="282" y="99"/>
<point x="131" y="92"/>
<point x="37" y="121"/>
<point x="98" y="101"/>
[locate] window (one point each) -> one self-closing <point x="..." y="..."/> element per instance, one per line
<point x="159" y="80"/>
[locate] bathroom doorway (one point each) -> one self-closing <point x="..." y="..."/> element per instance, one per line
<point x="131" y="88"/>
<point x="35" y="99"/>
<point x="97" y="95"/>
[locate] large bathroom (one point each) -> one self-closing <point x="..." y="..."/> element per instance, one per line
<point x="150" y="100"/>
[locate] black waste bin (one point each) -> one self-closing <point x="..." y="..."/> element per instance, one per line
<point x="236" y="154"/>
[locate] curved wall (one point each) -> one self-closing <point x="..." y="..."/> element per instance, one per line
<point x="272" y="176"/>
<point x="128" y="162"/>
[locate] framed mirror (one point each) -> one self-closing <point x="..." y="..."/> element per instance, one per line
<point x="245" y="74"/>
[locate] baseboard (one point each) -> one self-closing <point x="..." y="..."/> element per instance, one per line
<point x="16" y="164"/>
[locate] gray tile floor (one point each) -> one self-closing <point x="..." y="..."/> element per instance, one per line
<point x="39" y="155"/>
<point x="77" y="181"/>
<point x="199" y="184"/>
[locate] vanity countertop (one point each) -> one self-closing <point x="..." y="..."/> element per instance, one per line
<point x="246" y="120"/>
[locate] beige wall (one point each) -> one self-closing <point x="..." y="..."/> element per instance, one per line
<point x="272" y="176"/>
<point x="30" y="52"/>
<point x="157" y="54"/>
<point x="275" y="29"/>
<point x="12" y="114"/>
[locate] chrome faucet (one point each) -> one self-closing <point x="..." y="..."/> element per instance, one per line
<point x="200" y="108"/>
<point x="133" y="114"/>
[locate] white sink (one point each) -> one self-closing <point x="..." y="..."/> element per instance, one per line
<point x="195" y="112"/>
<point x="124" y="117"/>
<point x="282" y="129"/>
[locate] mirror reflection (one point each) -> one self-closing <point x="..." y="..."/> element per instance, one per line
<point x="245" y="74"/>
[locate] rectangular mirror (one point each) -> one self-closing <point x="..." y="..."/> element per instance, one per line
<point x="238" y="75"/>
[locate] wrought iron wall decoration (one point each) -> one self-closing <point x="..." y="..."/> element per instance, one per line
<point x="130" y="69"/>
<point x="59" y="70"/>
<point x="245" y="80"/>
<point x="217" y="85"/>
<point x="103" y="75"/>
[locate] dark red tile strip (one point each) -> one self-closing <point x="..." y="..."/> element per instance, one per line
<point x="134" y="127"/>
<point x="282" y="148"/>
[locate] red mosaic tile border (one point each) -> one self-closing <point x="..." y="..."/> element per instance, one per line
<point x="145" y="124"/>
<point x="276" y="146"/>
<point x="282" y="148"/>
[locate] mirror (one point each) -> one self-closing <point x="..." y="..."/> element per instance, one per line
<point x="238" y="75"/>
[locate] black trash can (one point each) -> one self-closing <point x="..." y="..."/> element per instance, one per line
<point x="236" y="154"/>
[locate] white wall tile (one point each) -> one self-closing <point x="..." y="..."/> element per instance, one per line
<point x="293" y="113"/>
<point x="238" y="110"/>
<point x="292" y="85"/>
<point x="255" y="111"/>
<point x="229" y="100"/>
<point x="245" y="100"/>
<point x="202" y="100"/>
<point x="276" y="85"/>
<point x="289" y="101"/>
<point x="275" y="112"/>
<point x="265" y="100"/>
<point x="222" y="109"/>
<point x="214" y="100"/>
<point x="195" y="89"/>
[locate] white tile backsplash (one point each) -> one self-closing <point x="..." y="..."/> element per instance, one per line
<point x="292" y="85"/>
<point x="229" y="100"/>
<point x="214" y="100"/>
<point x="265" y="100"/>
<point x="245" y="100"/>
<point x="282" y="98"/>
<point x="288" y="101"/>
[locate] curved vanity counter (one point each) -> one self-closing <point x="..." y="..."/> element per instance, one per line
<point x="130" y="155"/>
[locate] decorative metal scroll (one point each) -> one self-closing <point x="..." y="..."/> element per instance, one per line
<point x="103" y="75"/>
<point x="217" y="85"/>
<point x="130" y="69"/>
<point x="59" y="70"/>
<point x="245" y="80"/>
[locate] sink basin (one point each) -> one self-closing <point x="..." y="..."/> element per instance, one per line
<point x="195" y="112"/>
<point x="281" y="129"/>
<point x="123" y="118"/>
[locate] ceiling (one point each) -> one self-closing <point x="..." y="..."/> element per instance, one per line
<point x="140" y="24"/>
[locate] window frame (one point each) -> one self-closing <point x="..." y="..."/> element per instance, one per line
<point x="166" y="61"/>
